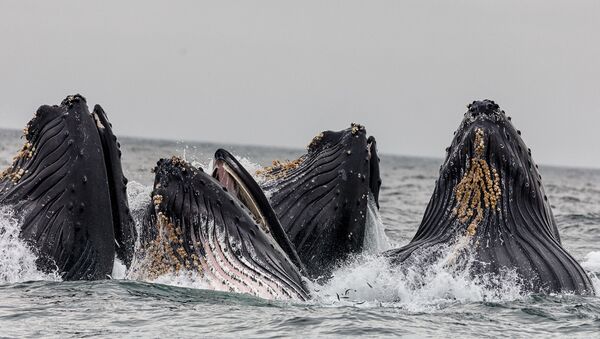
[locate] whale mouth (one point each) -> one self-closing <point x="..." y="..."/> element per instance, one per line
<point x="194" y="223"/>
<point x="231" y="179"/>
<point x="228" y="171"/>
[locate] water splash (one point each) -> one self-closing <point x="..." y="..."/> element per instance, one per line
<point x="592" y="262"/>
<point x="368" y="279"/>
<point x="17" y="261"/>
<point x="119" y="270"/>
<point x="186" y="279"/>
<point x="139" y="198"/>
<point x="376" y="241"/>
<point x="420" y="284"/>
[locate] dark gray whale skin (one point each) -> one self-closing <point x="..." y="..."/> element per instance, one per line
<point x="67" y="186"/>
<point x="514" y="228"/>
<point x="321" y="198"/>
<point x="193" y="218"/>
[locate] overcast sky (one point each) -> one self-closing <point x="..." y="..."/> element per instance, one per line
<point x="277" y="72"/>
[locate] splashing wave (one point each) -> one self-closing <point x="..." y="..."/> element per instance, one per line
<point x="17" y="260"/>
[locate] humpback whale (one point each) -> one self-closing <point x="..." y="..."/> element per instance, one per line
<point x="489" y="203"/>
<point x="212" y="226"/>
<point x="67" y="186"/>
<point x="321" y="198"/>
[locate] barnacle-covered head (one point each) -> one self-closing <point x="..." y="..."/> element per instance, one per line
<point x="488" y="170"/>
<point x="489" y="206"/>
<point x="195" y="224"/>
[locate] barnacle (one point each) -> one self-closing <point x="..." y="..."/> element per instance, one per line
<point x="356" y="127"/>
<point x="166" y="253"/>
<point x="279" y="169"/>
<point x="478" y="190"/>
<point x="315" y="141"/>
<point x="14" y="172"/>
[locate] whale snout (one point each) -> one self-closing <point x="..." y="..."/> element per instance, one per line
<point x="483" y="107"/>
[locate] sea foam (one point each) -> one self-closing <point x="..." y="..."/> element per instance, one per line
<point x="17" y="260"/>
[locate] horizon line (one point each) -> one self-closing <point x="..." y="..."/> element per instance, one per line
<point x="291" y="148"/>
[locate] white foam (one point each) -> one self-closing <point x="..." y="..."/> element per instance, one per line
<point x="119" y="270"/>
<point x="596" y="282"/>
<point x="139" y="198"/>
<point x="418" y="285"/>
<point x="17" y="261"/>
<point x="592" y="262"/>
<point x="138" y="195"/>
<point x="188" y="279"/>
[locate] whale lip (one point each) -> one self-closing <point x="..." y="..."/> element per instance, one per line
<point x="228" y="171"/>
<point x="374" y="174"/>
<point x="124" y="226"/>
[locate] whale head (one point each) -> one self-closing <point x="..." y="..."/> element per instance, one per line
<point x="490" y="195"/>
<point x="194" y="224"/>
<point x="321" y="198"/>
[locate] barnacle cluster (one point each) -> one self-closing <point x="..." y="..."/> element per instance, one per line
<point x="279" y="169"/>
<point x="479" y="189"/>
<point x="315" y="141"/>
<point x="166" y="252"/>
<point x="356" y="127"/>
<point x="157" y="199"/>
<point x="26" y="152"/>
<point x="15" y="172"/>
<point x="177" y="161"/>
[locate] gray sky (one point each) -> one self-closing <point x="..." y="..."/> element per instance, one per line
<point x="277" y="72"/>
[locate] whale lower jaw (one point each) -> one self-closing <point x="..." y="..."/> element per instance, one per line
<point x="197" y="225"/>
<point x="215" y="258"/>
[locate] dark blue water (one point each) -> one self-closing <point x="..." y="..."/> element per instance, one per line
<point x="365" y="297"/>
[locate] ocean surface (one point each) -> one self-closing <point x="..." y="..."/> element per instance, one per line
<point x="365" y="297"/>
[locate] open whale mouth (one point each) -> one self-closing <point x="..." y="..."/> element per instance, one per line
<point x="234" y="178"/>
<point x="239" y="183"/>
<point x="196" y="224"/>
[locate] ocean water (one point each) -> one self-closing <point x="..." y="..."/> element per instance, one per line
<point x="364" y="298"/>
